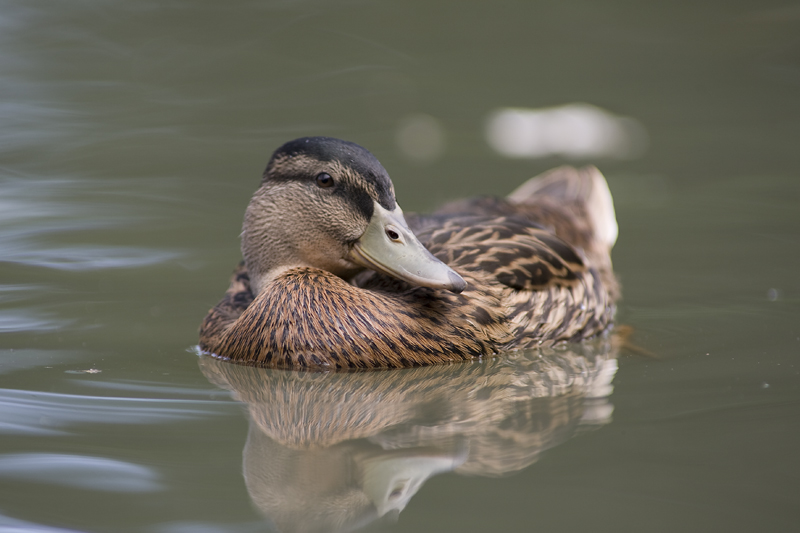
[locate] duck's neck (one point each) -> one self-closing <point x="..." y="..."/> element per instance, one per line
<point x="266" y="249"/>
<point x="274" y="243"/>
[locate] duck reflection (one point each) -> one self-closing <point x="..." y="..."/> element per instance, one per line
<point x="336" y="451"/>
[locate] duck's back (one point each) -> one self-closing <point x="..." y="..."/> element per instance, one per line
<point x="574" y="204"/>
<point x="547" y="245"/>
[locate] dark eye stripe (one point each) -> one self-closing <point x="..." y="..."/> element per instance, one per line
<point x="324" y="180"/>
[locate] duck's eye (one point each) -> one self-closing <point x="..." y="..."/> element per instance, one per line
<point x="324" y="180"/>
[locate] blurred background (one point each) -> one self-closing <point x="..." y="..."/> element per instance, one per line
<point x="132" y="135"/>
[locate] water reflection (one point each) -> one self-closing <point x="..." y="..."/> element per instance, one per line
<point x="340" y="450"/>
<point x="14" y="525"/>
<point x="51" y="414"/>
<point x="80" y="472"/>
<point x="573" y="131"/>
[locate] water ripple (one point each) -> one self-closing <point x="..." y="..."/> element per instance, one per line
<point x="152" y="389"/>
<point x="80" y="258"/>
<point x="205" y="527"/>
<point x="80" y="472"/>
<point x="35" y="212"/>
<point x="46" y="413"/>
<point x="14" y="525"/>
<point x="29" y="320"/>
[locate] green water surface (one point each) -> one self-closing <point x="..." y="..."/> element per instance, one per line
<point x="132" y="135"/>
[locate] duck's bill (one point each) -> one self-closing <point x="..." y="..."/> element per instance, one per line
<point x="389" y="247"/>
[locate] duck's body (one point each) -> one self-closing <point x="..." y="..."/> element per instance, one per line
<point x="533" y="268"/>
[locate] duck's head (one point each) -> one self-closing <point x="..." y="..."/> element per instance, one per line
<point x="329" y="204"/>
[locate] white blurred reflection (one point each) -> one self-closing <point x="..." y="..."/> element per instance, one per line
<point x="188" y="526"/>
<point x="24" y="319"/>
<point x="44" y="413"/>
<point x="82" y="472"/>
<point x="574" y="131"/>
<point x="14" y="525"/>
<point x="420" y="137"/>
<point x="91" y="257"/>
<point x="29" y="320"/>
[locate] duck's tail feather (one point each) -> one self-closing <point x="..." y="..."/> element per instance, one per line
<point x="584" y="190"/>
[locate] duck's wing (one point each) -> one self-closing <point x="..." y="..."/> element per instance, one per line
<point x="511" y="250"/>
<point x="574" y="204"/>
<point x="548" y="289"/>
<point x="237" y="298"/>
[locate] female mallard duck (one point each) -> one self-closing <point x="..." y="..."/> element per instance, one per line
<point x="334" y="276"/>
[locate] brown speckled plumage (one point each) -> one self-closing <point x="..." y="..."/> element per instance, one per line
<point x="535" y="269"/>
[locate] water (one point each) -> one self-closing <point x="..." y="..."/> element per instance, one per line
<point x="131" y="138"/>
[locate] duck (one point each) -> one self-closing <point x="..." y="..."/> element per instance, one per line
<point x="335" y="276"/>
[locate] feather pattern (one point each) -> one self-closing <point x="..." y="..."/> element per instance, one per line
<point x="536" y="270"/>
